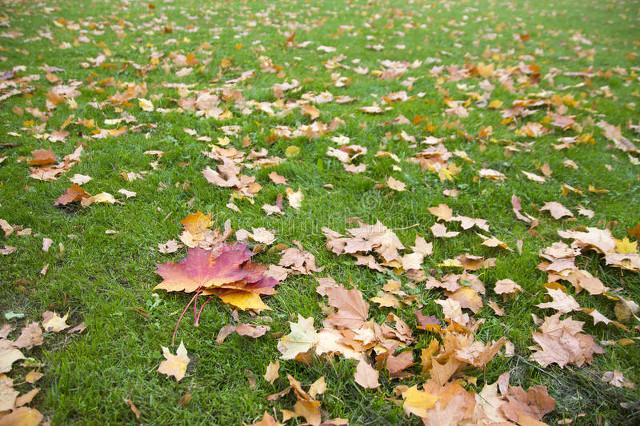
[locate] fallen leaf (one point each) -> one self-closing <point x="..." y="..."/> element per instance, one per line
<point x="23" y="416"/>
<point x="249" y="330"/>
<point x="244" y="300"/>
<point x="103" y="197"/>
<point x="226" y="272"/>
<point x="302" y="339"/>
<point x="267" y="420"/>
<point x="26" y="398"/>
<point x="616" y="378"/>
<point x="352" y="310"/>
<point x="295" y="198"/>
<point x="395" y="184"/>
<point x="506" y="286"/>
<point x="30" y="336"/>
<point x="8" y="395"/>
<point x="440" y="231"/>
<point x="417" y="402"/>
<point x="557" y="210"/>
<point x="272" y="373"/>
<point x="442" y="212"/>
<point x="133" y="408"/>
<point x="562" y="342"/>
<point x="561" y="302"/>
<point x="73" y="194"/>
<point x="534" y="403"/>
<point x="174" y="365"/>
<point x="52" y="322"/>
<point x="225" y="332"/>
<point x="366" y="376"/>
<point x="170" y="246"/>
<point x="33" y="376"/>
<point x="318" y="387"/>
<point x="277" y="179"/>
<point x="42" y="157"/>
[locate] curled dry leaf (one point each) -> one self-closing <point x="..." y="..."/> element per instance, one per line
<point x="375" y="238"/>
<point x="42" y="157"/>
<point x="9" y="355"/>
<point x="306" y="406"/>
<point x="249" y="330"/>
<point x="74" y="193"/>
<point x="298" y="261"/>
<point x="136" y="412"/>
<point x="616" y="378"/>
<point x="517" y="208"/>
<point x="478" y="354"/>
<point x="126" y="193"/>
<point x="8" y="394"/>
<point x="396" y="184"/>
<point x="103" y="197"/>
<point x="30" y="336"/>
<point x="26" y="398"/>
<point x="225" y="332"/>
<point x="266" y="420"/>
<point x="295" y="198"/>
<point x="77" y="329"/>
<point x="52" y="322"/>
<point x="534" y="177"/>
<point x="491" y="174"/>
<point x="557" y="210"/>
<point x="273" y="371"/>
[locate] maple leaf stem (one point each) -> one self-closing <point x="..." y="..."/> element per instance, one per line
<point x="195" y="307"/>
<point x="184" y="311"/>
<point x="196" y="319"/>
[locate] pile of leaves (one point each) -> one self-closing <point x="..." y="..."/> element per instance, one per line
<point x="14" y="405"/>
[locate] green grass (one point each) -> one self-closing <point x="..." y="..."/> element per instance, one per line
<point x="105" y="280"/>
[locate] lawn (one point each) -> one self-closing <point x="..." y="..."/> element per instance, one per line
<point x="506" y="86"/>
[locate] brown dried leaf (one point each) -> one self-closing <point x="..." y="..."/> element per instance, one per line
<point x="366" y="376"/>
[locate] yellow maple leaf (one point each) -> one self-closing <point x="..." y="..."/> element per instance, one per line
<point x="450" y="263"/>
<point x="245" y="300"/>
<point x="197" y="223"/>
<point x="417" y="402"/>
<point x="625" y="246"/>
